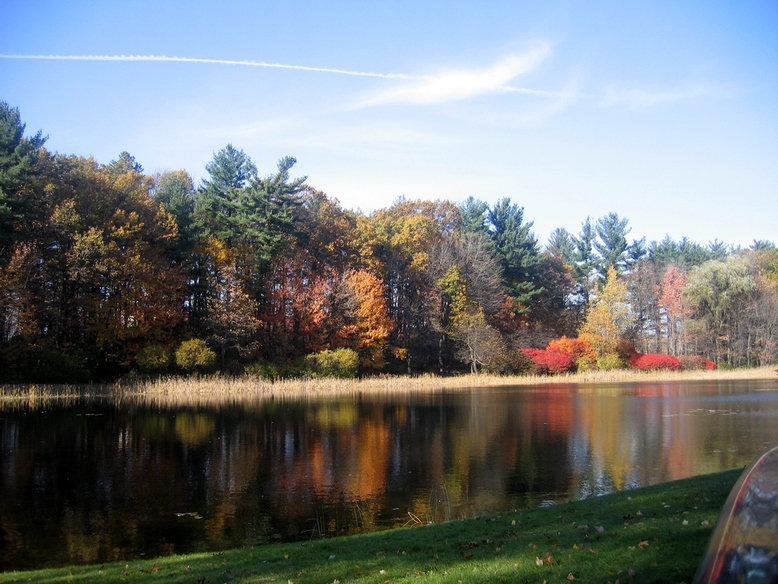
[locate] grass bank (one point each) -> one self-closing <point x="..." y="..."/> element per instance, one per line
<point x="653" y="534"/>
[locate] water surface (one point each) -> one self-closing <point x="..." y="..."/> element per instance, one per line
<point x="96" y="480"/>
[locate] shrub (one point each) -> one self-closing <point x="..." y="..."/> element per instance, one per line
<point x="609" y="362"/>
<point x="653" y="361"/>
<point x="695" y="362"/>
<point x="579" y="348"/>
<point x="195" y="355"/>
<point x="153" y="359"/>
<point x="511" y="362"/>
<point x="343" y="363"/>
<point x="265" y="370"/>
<point x="49" y="365"/>
<point x="551" y="362"/>
<point x="587" y="363"/>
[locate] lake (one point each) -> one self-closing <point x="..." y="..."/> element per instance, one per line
<point x="100" y="479"/>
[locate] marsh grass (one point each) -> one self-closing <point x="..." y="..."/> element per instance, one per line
<point x="225" y="390"/>
<point x="652" y="534"/>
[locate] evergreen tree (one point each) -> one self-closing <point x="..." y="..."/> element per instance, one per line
<point x="17" y="159"/>
<point x="216" y="205"/>
<point x="684" y="254"/>
<point x="562" y="245"/>
<point x="267" y="212"/>
<point x="586" y="261"/>
<point x="517" y="249"/>
<point x="473" y="215"/>
<point x="613" y="247"/>
<point x="122" y="165"/>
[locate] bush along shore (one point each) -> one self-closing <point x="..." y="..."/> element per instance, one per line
<point x="651" y="534"/>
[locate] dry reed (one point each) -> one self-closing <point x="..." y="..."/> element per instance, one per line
<point x="223" y="390"/>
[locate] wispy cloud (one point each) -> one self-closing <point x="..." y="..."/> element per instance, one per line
<point x="642" y="98"/>
<point x="451" y="85"/>
<point x="160" y="58"/>
<point x="462" y="84"/>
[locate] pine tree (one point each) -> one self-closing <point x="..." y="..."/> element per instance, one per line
<point x="517" y="248"/>
<point x="17" y="160"/>
<point x="216" y="204"/>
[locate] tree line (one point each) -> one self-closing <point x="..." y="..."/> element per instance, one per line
<point x="105" y="270"/>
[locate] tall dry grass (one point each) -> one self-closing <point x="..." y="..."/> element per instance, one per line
<point x="225" y="390"/>
<point x="221" y="390"/>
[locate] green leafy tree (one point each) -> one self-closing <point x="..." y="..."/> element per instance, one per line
<point x="342" y="363"/>
<point x="195" y="355"/>
<point x="479" y="343"/>
<point x="153" y="359"/>
<point x="175" y="192"/>
<point x="721" y="295"/>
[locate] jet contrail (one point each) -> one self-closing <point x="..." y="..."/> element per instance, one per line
<point x="160" y="58"/>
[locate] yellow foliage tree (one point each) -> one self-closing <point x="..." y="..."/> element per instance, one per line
<point x="609" y="317"/>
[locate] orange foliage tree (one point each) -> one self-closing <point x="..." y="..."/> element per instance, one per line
<point x="369" y="325"/>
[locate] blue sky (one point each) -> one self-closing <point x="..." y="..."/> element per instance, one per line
<point x="664" y="112"/>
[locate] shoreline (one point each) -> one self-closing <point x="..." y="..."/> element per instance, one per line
<point x="216" y="389"/>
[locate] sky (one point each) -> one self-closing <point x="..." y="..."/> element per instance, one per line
<point x="663" y="112"/>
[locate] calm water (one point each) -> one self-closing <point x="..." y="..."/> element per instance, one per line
<point x="97" y="481"/>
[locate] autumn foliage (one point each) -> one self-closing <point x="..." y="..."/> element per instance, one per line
<point x="652" y="361"/>
<point x="106" y="270"/>
<point x="578" y="347"/>
<point x="551" y="362"/>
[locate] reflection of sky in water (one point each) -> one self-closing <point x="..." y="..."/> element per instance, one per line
<point x="115" y="479"/>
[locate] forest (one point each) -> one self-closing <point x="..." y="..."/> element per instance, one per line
<point x="107" y="272"/>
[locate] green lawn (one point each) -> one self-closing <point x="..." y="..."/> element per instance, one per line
<point x="654" y="534"/>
